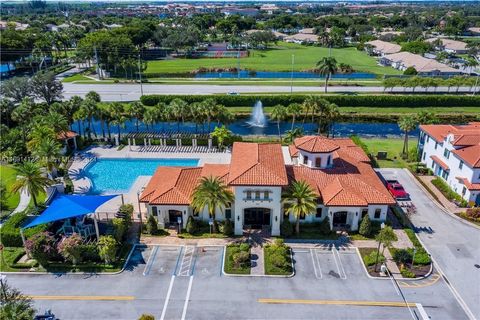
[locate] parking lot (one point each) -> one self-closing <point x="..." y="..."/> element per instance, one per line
<point x="186" y="282"/>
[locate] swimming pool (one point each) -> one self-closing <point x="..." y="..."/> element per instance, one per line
<point x="109" y="176"/>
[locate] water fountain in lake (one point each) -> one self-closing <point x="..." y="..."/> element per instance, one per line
<point x="257" y="118"/>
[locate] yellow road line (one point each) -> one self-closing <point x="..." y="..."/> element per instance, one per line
<point x="337" y="302"/>
<point x="89" y="298"/>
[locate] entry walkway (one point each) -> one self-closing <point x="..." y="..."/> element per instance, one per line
<point x="447" y="204"/>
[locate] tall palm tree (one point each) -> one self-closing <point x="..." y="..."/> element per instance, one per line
<point x="221" y="134"/>
<point x="116" y="112"/>
<point x="299" y="200"/>
<point x="179" y="109"/>
<point x="279" y="113"/>
<point x="49" y="152"/>
<point x="294" y="109"/>
<point x="212" y="193"/>
<point x="406" y="124"/>
<point x="89" y="109"/>
<point x="136" y="110"/>
<point x="31" y="179"/>
<point x="37" y="134"/>
<point x="327" y="114"/>
<point x="327" y="67"/>
<point x="291" y="135"/>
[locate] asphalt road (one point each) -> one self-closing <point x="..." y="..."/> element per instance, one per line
<point x="131" y="92"/>
<point x="453" y="244"/>
<point x="163" y="281"/>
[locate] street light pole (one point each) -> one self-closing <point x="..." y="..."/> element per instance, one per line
<point x="291" y="74"/>
<point x="140" y="73"/>
<point x="378" y="249"/>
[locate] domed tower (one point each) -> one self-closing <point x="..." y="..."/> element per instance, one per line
<point x="315" y="152"/>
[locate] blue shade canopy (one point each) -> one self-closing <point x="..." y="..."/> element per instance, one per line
<point x="69" y="206"/>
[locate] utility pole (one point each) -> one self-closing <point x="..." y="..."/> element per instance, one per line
<point x="291" y="74"/>
<point x="140" y="73"/>
<point x="96" y="63"/>
<point x="238" y="63"/>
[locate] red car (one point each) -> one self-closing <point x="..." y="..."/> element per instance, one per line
<point x="397" y="190"/>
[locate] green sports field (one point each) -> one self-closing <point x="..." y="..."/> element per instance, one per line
<point x="278" y="58"/>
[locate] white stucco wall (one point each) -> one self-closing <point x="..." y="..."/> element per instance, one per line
<point x="312" y="159"/>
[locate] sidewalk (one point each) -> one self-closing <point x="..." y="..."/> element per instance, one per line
<point x="447" y="204"/>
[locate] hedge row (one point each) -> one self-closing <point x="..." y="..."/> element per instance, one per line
<point x="10" y="234"/>
<point x="412" y="101"/>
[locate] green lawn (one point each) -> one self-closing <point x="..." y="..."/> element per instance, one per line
<point x="393" y="147"/>
<point x="276" y="59"/>
<point x="229" y="266"/>
<point x="8" y="176"/>
<point x="77" y="77"/>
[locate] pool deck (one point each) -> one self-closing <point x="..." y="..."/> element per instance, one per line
<point x="82" y="184"/>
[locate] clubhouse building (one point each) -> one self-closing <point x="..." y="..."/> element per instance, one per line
<point x="338" y="171"/>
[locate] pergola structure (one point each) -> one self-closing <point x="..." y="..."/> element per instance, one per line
<point x="165" y="136"/>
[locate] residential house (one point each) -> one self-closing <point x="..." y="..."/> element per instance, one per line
<point x="424" y="66"/>
<point x="338" y="171"/>
<point x="450" y="46"/>
<point x="452" y="152"/>
<point x="16" y="25"/>
<point x="381" y="48"/>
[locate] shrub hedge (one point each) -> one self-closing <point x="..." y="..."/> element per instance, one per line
<point x="10" y="234"/>
<point x="419" y="101"/>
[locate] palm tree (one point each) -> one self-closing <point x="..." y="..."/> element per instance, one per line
<point x="221" y="134"/>
<point x="327" y="114"/>
<point x="327" y="67"/>
<point x="31" y="179"/>
<point x="48" y="151"/>
<point x="294" y="109"/>
<point x="179" y="109"/>
<point x="299" y="200"/>
<point x="291" y="135"/>
<point x="89" y="110"/>
<point x="136" y="110"/>
<point x="278" y="114"/>
<point x="406" y="124"/>
<point x="211" y="193"/>
<point x="116" y="112"/>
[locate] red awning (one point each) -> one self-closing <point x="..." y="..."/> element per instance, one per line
<point x="440" y="162"/>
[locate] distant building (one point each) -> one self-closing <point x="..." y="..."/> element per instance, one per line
<point x="381" y="48"/>
<point x="474" y="31"/>
<point x="302" y="38"/>
<point x="424" y="66"/>
<point x="17" y="25"/>
<point x="453" y="153"/>
<point x="450" y="46"/>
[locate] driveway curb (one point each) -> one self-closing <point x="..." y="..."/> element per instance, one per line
<point x="438" y="204"/>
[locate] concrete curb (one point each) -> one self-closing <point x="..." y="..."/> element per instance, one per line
<point x="257" y="275"/>
<point x="135" y="245"/>
<point x="438" y="204"/>
<point x="429" y="273"/>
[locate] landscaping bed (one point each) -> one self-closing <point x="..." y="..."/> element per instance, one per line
<point x="369" y="256"/>
<point x="278" y="259"/>
<point x="237" y="259"/>
<point x="448" y="192"/>
<point x="472" y="215"/>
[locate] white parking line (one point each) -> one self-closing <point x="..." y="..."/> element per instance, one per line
<point x="422" y="311"/>
<point x="167" y="298"/>
<point x="339" y="264"/>
<point x="148" y="266"/>
<point x="314" y="264"/>
<point x="187" y="298"/>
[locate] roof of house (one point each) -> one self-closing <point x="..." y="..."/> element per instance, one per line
<point x="307" y="31"/>
<point x="350" y="182"/>
<point x="257" y="164"/>
<point x="384" y="46"/>
<point x="316" y="144"/>
<point x="66" y="135"/>
<point x="302" y="37"/>
<point x="466" y="139"/>
<point x="439" y="161"/>
<point x="468" y="185"/>
<point x="420" y="63"/>
<point x="450" y="44"/>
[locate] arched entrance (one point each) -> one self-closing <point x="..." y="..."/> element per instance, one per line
<point x="340" y="219"/>
<point x="173" y="216"/>
<point x="256" y="218"/>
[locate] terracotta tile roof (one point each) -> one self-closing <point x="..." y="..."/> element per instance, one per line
<point x="257" y="164"/>
<point x="470" y="154"/>
<point x="316" y="144"/>
<point x="467" y="139"/>
<point x="468" y="185"/>
<point x="438" y="161"/>
<point x="66" y="135"/>
<point x="421" y="64"/>
<point x="385" y="47"/>
<point x="293" y="151"/>
<point x="171" y="185"/>
<point x="440" y="131"/>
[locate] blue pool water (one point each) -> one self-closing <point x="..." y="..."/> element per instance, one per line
<point x="117" y="175"/>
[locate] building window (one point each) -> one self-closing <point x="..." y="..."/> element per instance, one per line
<point x="195" y="212"/>
<point x="377" y="213"/>
<point x="424" y="155"/>
<point x="266" y="195"/>
<point x="329" y="161"/>
<point x="319" y="213"/>
<point x="154" y="211"/>
<point x="318" y="162"/>
<point x="228" y="211"/>
<point x="305" y="160"/>
<point x="249" y="195"/>
<point x="436" y="145"/>
<point x="364" y="213"/>
<point x="428" y="138"/>
<point x="464" y="190"/>
<point x="257" y="195"/>
<point x="460" y="165"/>
<point x="446" y="153"/>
